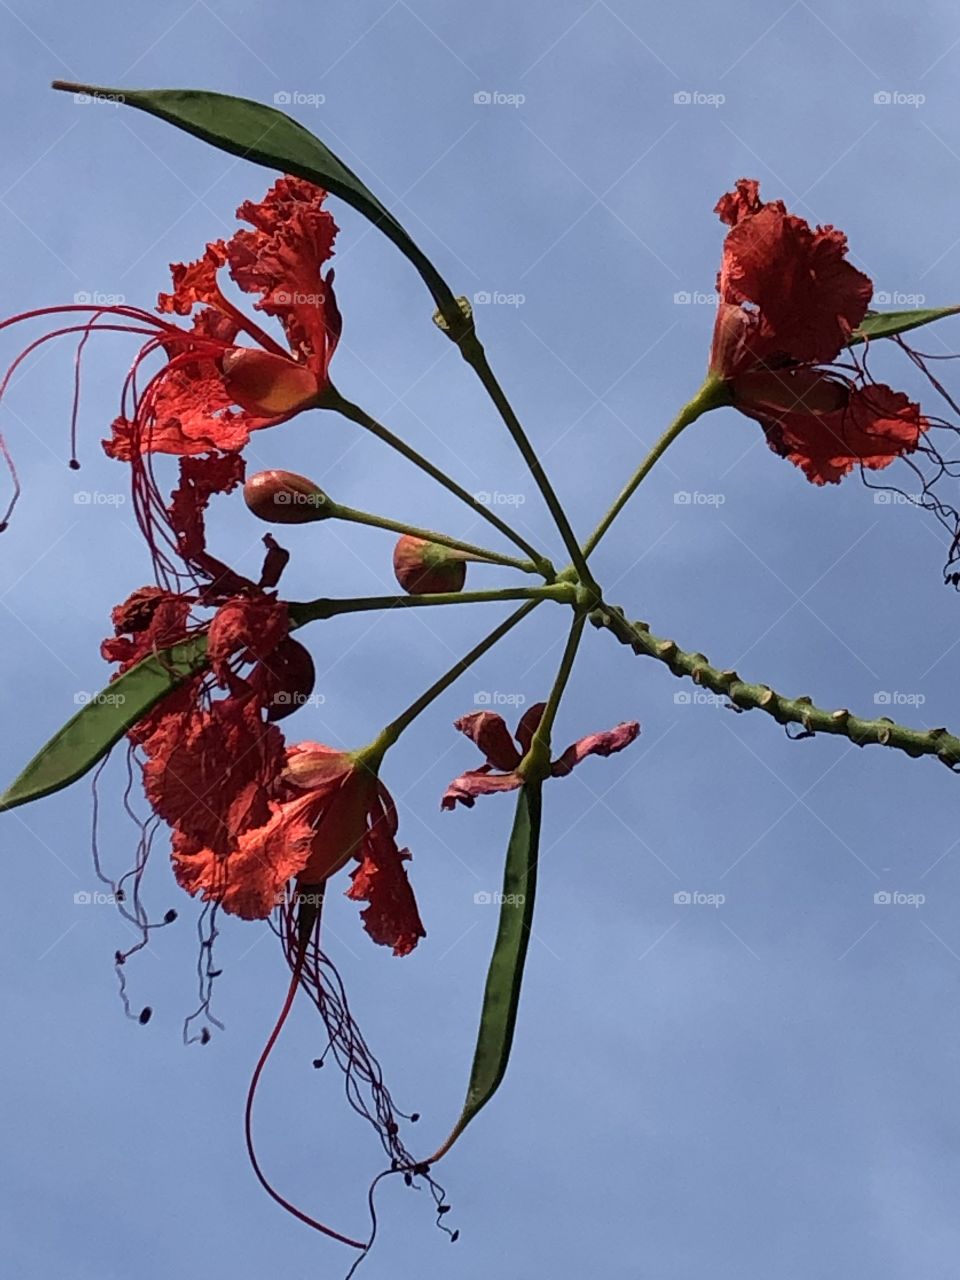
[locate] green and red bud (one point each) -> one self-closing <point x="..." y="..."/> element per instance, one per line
<point x="426" y="568"/>
<point x="283" y="497"/>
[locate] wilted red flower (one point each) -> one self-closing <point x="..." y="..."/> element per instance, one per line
<point x="215" y="387"/>
<point x="327" y="809"/>
<point x="426" y="568"/>
<point x="490" y="733"/>
<point x="789" y="302"/>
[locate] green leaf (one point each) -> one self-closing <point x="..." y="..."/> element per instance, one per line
<point x="501" y="996"/>
<point x="269" y="137"/>
<point x="887" y="324"/>
<point x="104" y="720"/>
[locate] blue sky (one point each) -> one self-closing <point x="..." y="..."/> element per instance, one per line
<point x="767" y="1086"/>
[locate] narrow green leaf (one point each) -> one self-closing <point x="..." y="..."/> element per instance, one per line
<point x="887" y="324"/>
<point x="501" y="996"/>
<point x="269" y="137"/>
<point x="103" y="721"/>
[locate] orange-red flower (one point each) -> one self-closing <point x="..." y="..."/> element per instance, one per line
<point x="328" y="809"/>
<point x="789" y="302"/>
<point x="499" y="773"/>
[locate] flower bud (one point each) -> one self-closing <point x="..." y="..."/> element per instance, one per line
<point x="285" y="679"/>
<point x="425" y="568"/>
<point x="282" y="497"/>
<point x="268" y="385"/>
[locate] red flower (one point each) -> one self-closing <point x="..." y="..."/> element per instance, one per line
<point x="789" y="301"/>
<point x="329" y="809"/>
<point x="223" y="375"/>
<point x="490" y="733"/>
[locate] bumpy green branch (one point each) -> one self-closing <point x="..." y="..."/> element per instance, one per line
<point x="800" y="711"/>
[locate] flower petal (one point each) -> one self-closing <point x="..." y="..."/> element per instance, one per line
<point x="809" y="298"/>
<point x="876" y="426"/>
<point x="528" y="725"/>
<point x="489" y="731"/>
<point x="248" y="629"/>
<point x="478" y="782"/>
<point x="281" y="259"/>
<point x="392" y="918"/>
<point x="194" y="282"/>
<point x="596" y="744"/>
<point x="200" y="479"/>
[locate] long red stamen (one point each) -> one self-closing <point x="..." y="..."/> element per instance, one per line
<point x="248" y="1114"/>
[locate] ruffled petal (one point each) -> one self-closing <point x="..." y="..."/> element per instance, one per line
<point x="194" y="282"/>
<point x="250" y="879"/>
<point x="876" y="426"/>
<point x="596" y="744"/>
<point x="281" y="259"/>
<point x="478" y="782"/>
<point x="200" y="479"/>
<point x="489" y="731"/>
<point x="392" y="918"/>
<point x="528" y="725"/>
<point x="809" y="299"/>
<point x="247" y="629"/>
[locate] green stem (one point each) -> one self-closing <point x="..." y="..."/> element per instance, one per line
<point x="333" y="400"/>
<point x="469" y="549"/>
<point x="472" y="351"/>
<point x="319" y="610"/>
<point x="375" y="752"/>
<point x="711" y="395"/>
<point x="801" y="711"/>
<point x="536" y="763"/>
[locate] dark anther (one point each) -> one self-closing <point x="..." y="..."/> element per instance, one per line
<point x="120" y="896"/>
<point x="214" y="973"/>
<point x="118" y="957"/>
<point x="455" y="1237"/>
<point x="74" y="464"/>
<point x="421" y="1170"/>
<point x="318" y="1063"/>
<point x="443" y="1208"/>
<point x="146" y="1013"/>
<point x="204" y="1036"/>
<point x="169" y="916"/>
<point x="392" y="1127"/>
<point x="408" y="1179"/>
<point x="415" y="1117"/>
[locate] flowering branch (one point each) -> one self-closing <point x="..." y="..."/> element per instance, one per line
<point x="710" y="396"/>
<point x="321" y="609"/>
<point x="355" y="414"/>
<point x="801" y="711"/>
